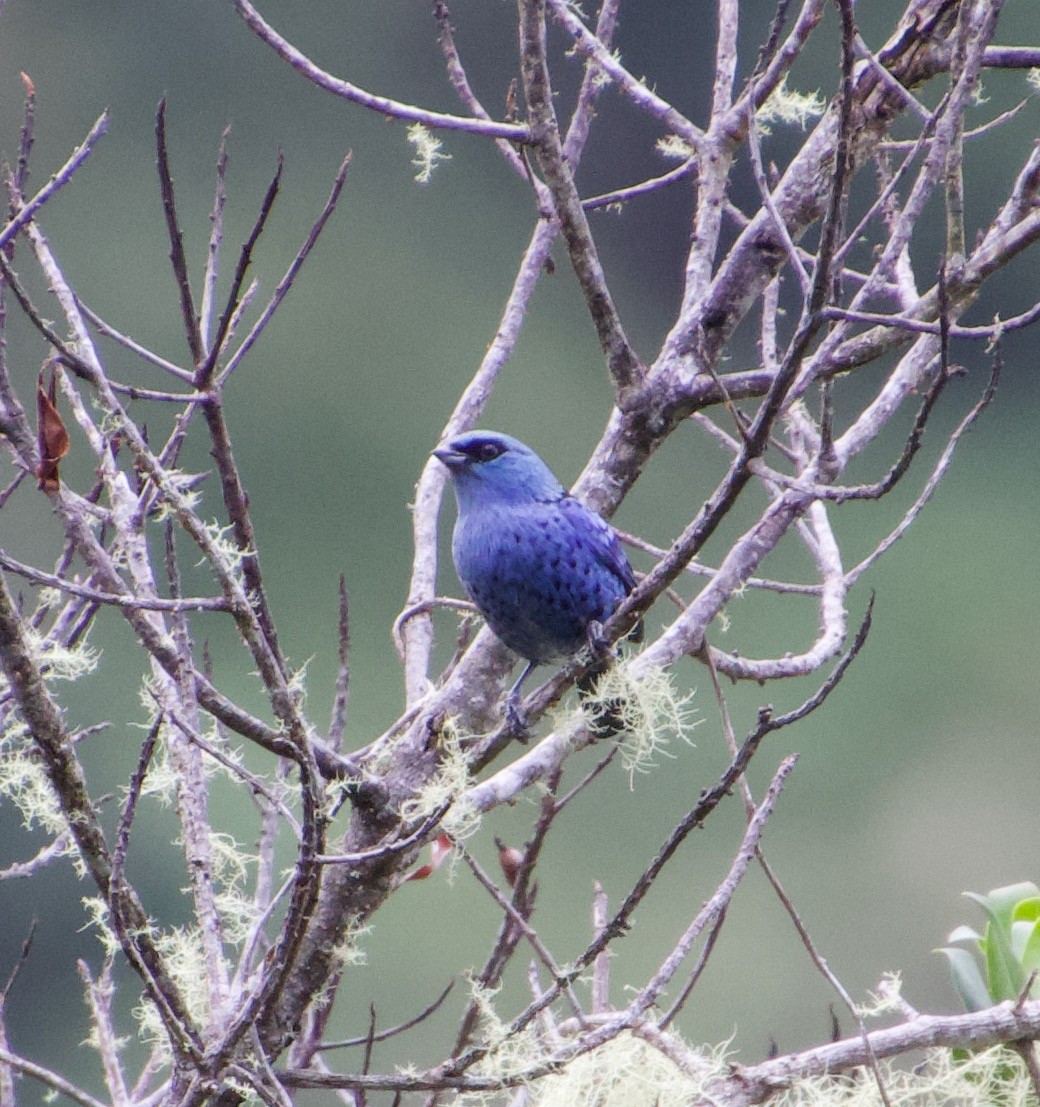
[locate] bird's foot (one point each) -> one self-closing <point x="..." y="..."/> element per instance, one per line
<point x="600" y="647"/>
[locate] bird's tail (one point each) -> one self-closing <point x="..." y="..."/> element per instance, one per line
<point x="606" y="717"/>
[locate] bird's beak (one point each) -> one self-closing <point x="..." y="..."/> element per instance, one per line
<point x="452" y="458"/>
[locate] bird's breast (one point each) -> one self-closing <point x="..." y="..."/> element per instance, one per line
<point x="535" y="577"/>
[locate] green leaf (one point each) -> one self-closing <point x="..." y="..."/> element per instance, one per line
<point x="1030" y="955"/>
<point x="1026" y="910"/>
<point x="1000" y="903"/>
<point x="1005" y="978"/>
<point x="964" y="934"/>
<point x="967" y="979"/>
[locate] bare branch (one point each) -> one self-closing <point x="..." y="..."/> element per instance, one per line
<point x="177" y="258"/>
<point x="27" y="210"/>
<point x="622" y="362"/>
<point x="393" y="1031"/>
<point x="51" y="1079"/>
<point x="286" y="282"/>
<point x="381" y="104"/>
<point x="216" y="235"/>
<point x="143" y="603"/>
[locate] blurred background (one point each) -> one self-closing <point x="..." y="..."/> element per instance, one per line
<point x="917" y="780"/>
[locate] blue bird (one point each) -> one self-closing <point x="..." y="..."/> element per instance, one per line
<point x="544" y="570"/>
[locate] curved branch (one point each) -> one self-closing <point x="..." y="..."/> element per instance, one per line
<point x="752" y="1084"/>
<point x="394" y="109"/>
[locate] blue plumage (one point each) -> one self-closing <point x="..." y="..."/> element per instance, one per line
<point x="539" y="565"/>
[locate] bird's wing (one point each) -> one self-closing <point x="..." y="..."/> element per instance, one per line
<point x="601" y="536"/>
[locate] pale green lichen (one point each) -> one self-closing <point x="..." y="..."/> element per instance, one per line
<point x="349" y="951"/>
<point x="447" y="788"/>
<point x="98" y="915"/>
<point x="992" y="1078"/>
<point x="24" y="783"/>
<point x="227" y="553"/>
<point x="624" y="1072"/>
<point x="627" y="1072"/>
<point x="182" y="955"/>
<point x="510" y="1053"/>
<point x="630" y="1072"/>
<point x="650" y="711"/>
<point x="231" y="870"/>
<point x="675" y="148"/>
<point x="428" y="152"/>
<point x="57" y="661"/>
<point x="791" y="108"/>
<point x="885" y="1000"/>
<point x="189" y="496"/>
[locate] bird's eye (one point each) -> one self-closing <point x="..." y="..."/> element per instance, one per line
<point x="487" y="451"/>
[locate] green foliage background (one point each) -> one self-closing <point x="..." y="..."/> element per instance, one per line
<point x="917" y="781"/>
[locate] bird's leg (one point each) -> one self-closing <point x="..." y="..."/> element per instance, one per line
<point x="515" y="717"/>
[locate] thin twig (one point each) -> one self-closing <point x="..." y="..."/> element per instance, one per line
<point x="341" y="699"/>
<point x="393" y="1031"/>
<point x="143" y="603"/>
<point x="383" y="105"/>
<point x="286" y="282"/>
<point x="177" y="258"/>
<point x="204" y="375"/>
<point x="623" y="364"/>
<point x="28" y="208"/>
<point x="216" y="235"/>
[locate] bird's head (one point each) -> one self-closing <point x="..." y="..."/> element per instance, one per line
<point x="491" y="468"/>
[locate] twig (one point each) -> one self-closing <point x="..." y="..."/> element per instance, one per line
<point x="926" y="326"/>
<point x="936" y="476"/>
<point x="589" y="45"/>
<point x="103" y="1035"/>
<point x="68" y="357"/>
<point x="394" y="109"/>
<point x="562" y="979"/>
<point x="16" y="969"/>
<point x="256" y="783"/>
<point x="28" y="208"/>
<point x="622" y="362"/>
<point x="601" y="966"/>
<point x="216" y="235"/>
<point x="393" y="1031"/>
<point x="204" y="374"/>
<point x="51" y="1079"/>
<point x="587" y="779"/>
<point x="341" y="699"/>
<point x="398" y="845"/>
<point x="696" y="973"/>
<point x="705" y="918"/>
<point x="460" y="82"/>
<point x="130" y="804"/>
<point x="644" y="188"/>
<point x="177" y="258"/>
<point x="283" y="286"/>
<point x="45" y="856"/>
<point x="755" y="149"/>
<point x="423" y="608"/>
<point x="142" y="352"/>
<point x="143" y="603"/>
